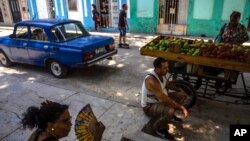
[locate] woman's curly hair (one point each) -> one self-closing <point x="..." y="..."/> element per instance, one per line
<point x="40" y="117"/>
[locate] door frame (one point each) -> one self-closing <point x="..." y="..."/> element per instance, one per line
<point x="180" y="26"/>
<point x="15" y="10"/>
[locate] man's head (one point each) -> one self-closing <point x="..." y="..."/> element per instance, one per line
<point x="161" y="66"/>
<point x="124" y="7"/>
<point x="39" y="34"/>
<point x="235" y="17"/>
<point x="94" y="6"/>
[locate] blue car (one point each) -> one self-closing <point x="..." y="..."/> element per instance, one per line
<point x="59" y="44"/>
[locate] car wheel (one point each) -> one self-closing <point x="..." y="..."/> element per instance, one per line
<point x="57" y="69"/>
<point x="4" y="60"/>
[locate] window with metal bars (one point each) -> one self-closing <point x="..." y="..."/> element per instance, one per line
<point x="168" y="10"/>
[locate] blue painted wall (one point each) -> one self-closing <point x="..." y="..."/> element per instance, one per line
<point x="32" y="5"/>
<point x="62" y="12"/>
<point x="144" y="24"/>
<point x="88" y="22"/>
<point x="32" y="9"/>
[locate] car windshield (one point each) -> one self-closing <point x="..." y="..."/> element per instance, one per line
<point x="68" y="31"/>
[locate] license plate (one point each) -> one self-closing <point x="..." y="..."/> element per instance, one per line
<point x="100" y="50"/>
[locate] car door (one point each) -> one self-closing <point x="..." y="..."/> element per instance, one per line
<point x="19" y="52"/>
<point x="38" y="45"/>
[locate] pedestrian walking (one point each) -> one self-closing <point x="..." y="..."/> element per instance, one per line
<point x="123" y="27"/>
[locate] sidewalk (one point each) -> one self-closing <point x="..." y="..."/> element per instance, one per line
<point x="18" y="94"/>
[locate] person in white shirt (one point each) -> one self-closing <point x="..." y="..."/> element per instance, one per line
<point x="157" y="102"/>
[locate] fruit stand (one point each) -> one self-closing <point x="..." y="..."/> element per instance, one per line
<point x="198" y="53"/>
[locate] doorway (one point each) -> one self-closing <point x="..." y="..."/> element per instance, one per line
<point x="15" y="10"/>
<point x="109" y="13"/>
<point x="172" y="17"/>
<point x="168" y="11"/>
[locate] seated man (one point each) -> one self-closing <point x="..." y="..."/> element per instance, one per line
<point x="157" y="102"/>
<point x="38" y="35"/>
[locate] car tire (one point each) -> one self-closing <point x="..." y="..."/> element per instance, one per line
<point x="4" y="60"/>
<point x="57" y="69"/>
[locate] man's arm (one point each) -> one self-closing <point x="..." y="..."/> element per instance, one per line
<point x="153" y="85"/>
<point x="125" y="19"/>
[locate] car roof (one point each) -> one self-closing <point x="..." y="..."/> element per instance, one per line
<point x="46" y="22"/>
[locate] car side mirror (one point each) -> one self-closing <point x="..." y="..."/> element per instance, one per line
<point x="12" y="35"/>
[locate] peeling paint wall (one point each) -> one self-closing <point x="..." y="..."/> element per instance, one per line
<point x="144" y="16"/>
<point x="24" y="9"/>
<point x="207" y="16"/>
<point x="7" y="16"/>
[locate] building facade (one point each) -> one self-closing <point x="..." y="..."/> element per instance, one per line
<point x="159" y="16"/>
<point x="172" y="17"/>
<point x="79" y="10"/>
<point x="185" y="17"/>
<point x="12" y="11"/>
<point x="207" y="17"/>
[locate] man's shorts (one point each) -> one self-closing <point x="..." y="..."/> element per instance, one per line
<point x="161" y="109"/>
<point x="123" y="31"/>
<point x="104" y="15"/>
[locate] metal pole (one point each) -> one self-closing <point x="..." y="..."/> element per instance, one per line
<point x="244" y="84"/>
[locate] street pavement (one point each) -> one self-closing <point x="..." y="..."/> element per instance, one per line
<point x="112" y="88"/>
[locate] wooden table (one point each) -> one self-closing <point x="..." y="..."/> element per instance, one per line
<point x="199" y="60"/>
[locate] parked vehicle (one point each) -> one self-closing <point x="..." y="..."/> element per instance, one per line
<point x="59" y="44"/>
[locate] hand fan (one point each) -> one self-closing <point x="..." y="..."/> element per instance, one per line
<point x="84" y="120"/>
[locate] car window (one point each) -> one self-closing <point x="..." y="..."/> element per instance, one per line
<point x="38" y="33"/>
<point x="68" y="31"/>
<point x="22" y="32"/>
